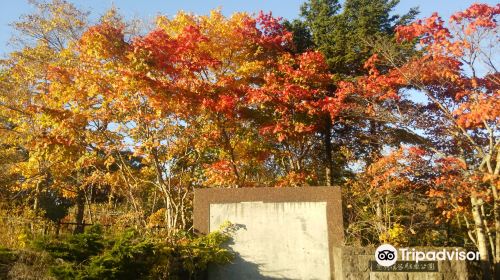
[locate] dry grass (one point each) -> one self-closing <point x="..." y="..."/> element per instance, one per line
<point x="30" y="265"/>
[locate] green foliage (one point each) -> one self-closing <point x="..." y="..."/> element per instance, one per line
<point x="76" y="248"/>
<point x="302" y="38"/>
<point x="344" y="34"/>
<point x="132" y="255"/>
<point x="204" y="250"/>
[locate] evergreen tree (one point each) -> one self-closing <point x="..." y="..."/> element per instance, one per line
<point x="343" y="33"/>
<point x="346" y="33"/>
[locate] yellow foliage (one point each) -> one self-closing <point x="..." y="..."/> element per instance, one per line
<point x="157" y="218"/>
<point x="396" y="235"/>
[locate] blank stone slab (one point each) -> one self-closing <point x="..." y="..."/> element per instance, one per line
<point x="274" y="240"/>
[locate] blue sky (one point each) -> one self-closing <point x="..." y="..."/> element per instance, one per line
<point x="12" y="9"/>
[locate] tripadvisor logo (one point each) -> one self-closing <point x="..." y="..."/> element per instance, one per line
<point x="387" y="255"/>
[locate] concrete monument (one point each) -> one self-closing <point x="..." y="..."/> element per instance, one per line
<point x="281" y="233"/>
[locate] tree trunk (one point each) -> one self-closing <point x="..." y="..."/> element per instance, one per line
<point x="36" y="201"/>
<point x="327" y="141"/>
<point x="58" y="228"/>
<point x="80" y="210"/>
<point x="482" y="242"/>
<point x="374" y="144"/>
<point x="496" y="259"/>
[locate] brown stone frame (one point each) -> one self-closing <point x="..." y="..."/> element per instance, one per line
<point x="331" y="195"/>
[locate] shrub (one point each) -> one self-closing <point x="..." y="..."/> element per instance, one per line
<point x="75" y="248"/>
<point x="131" y="255"/>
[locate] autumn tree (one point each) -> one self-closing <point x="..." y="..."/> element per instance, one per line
<point x="56" y="118"/>
<point x="456" y="73"/>
<point x="291" y="100"/>
<point x="41" y="36"/>
<point x="190" y="103"/>
<point x="343" y="32"/>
